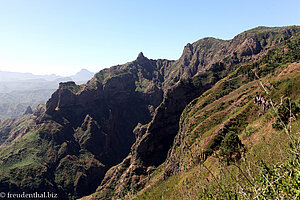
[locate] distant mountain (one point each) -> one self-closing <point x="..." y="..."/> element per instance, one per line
<point x="19" y="76"/>
<point x="20" y="90"/>
<point x="153" y="128"/>
<point x="82" y="76"/>
<point x="30" y="84"/>
<point x="16" y="81"/>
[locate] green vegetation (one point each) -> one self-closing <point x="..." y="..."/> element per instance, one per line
<point x="228" y="146"/>
<point x="73" y="88"/>
<point x="286" y="110"/>
<point x="23" y="158"/>
<point x="261" y="157"/>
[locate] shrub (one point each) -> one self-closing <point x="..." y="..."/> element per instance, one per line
<point x="230" y="147"/>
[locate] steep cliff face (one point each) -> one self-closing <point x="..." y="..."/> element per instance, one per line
<point x="156" y="138"/>
<point x="206" y="53"/>
<point x="151" y="149"/>
<point x="153" y="141"/>
<point x="196" y="165"/>
<point x="85" y="129"/>
<point x="88" y="128"/>
<point x="116" y="103"/>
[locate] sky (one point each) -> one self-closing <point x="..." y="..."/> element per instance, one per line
<point x="64" y="36"/>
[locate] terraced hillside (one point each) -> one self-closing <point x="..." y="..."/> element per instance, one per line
<point x="223" y="135"/>
<point x="142" y="127"/>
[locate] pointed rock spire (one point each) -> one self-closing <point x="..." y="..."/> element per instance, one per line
<point x="28" y="111"/>
<point x="141" y="57"/>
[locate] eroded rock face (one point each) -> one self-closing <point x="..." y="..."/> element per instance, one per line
<point x="115" y="106"/>
<point x="153" y="147"/>
<point x="39" y="110"/>
<point x="248" y="46"/>
<point x="156" y="138"/>
<point x="91" y="127"/>
<point x="153" y="141"/>
<point x="28" y="111"/>
<point x="100" y="117"/>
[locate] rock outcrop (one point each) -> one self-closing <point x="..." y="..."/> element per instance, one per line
<point x="206" y="62"/>
<point x="28" y="110"/>
<point x="86" y="129"/>
<point x="261" y="101"/>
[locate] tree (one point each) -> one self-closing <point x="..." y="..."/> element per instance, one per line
<point x="230" y="147"/>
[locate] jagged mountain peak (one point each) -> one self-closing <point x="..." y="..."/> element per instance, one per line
<point x="86" y="129"/>
<point x="141" y="57"/>
<point x="151" y="153"/>
<point x="28" y="110"/>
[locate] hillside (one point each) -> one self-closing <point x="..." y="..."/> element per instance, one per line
<point x="189" y="167"/>
<point x="142" y="127"/>
<point x="261" y="164"/>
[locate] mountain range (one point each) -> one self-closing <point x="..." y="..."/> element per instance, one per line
<point x="20" y="90"/>
<point x="165" y="129"/>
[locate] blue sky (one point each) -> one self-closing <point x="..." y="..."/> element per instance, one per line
<point x="63" y="36"/>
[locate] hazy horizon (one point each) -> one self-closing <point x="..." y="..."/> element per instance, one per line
<point x="62" y="37"/>
<point x="48" y="74"/>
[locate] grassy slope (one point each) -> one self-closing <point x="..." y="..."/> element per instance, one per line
<point x="231" y="98"/>
<point x="28" y="157"/>
<point x="198" y="127"/>
<point x="29" y="163"/>
<point x="37" y="152"/>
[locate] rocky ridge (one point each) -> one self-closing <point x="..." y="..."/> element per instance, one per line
<point x="91" y="127"/>
<point x="155" y="139"/>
